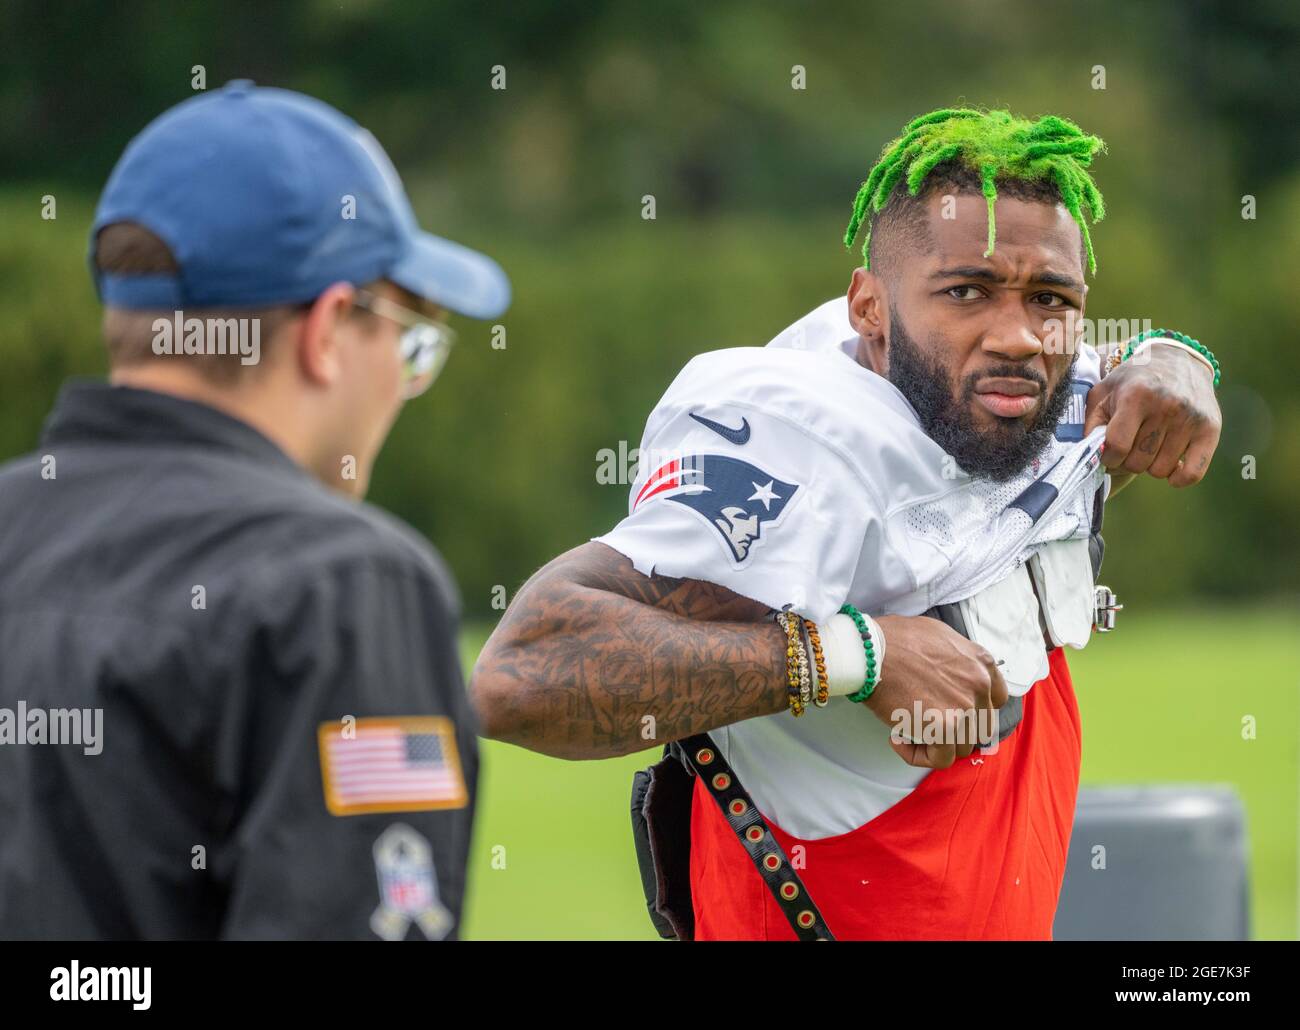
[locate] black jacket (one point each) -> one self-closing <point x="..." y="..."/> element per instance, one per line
<point x="228" y="617"/>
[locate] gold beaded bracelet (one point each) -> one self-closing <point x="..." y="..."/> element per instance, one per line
<point x="796" y="682"/>
<point x="819" y="659"/>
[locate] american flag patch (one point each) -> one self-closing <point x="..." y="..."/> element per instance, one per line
<point x="390" y="765"/>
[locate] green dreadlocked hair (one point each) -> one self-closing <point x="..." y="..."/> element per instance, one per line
<point x="993" y="144"/>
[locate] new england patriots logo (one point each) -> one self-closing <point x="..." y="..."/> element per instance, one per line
<point x="733" y="496"/>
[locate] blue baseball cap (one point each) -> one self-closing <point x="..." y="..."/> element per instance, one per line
<point x="266" y="196"/>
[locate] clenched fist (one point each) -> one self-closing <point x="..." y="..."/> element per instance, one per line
<point x="1161" y="417"/>
<point x="929" y="662"/>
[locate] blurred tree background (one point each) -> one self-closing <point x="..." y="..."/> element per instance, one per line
<point x="693" y="104"/>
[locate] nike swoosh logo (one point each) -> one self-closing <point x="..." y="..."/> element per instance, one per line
<point x="737" y="436"/>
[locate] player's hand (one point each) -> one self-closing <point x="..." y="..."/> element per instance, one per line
<point x="927" y="661"/>
<point x="1157" y="412"/>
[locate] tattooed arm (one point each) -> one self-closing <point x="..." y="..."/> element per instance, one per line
<point x="591" y="650"/>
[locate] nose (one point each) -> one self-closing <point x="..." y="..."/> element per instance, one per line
<point x="1012" y="338"/>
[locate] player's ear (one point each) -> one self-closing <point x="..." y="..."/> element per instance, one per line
<point x="318" y="343"/>
<point x="867" y="303"/>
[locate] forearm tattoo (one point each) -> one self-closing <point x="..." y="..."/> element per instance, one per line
<point x="594" y="659"/>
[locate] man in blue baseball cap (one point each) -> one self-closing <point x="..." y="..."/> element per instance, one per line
<point x="233" y="688"/>
<point x="251" y="210"/>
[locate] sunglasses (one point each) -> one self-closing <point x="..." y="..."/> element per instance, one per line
<point x="425" y="343"/>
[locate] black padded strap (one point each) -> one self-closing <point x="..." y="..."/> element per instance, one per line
<point x="769" y="858"/>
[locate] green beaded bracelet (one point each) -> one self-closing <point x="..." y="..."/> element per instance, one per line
<point x="1196" y="345"/>
<point x="869" y="683"/>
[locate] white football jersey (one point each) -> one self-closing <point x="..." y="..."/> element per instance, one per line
<point x="791" y="474"/>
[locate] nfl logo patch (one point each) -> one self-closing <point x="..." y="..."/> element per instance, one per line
<point x="408" y="888"/>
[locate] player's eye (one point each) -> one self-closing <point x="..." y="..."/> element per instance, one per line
<point x="1051" y="300"/>
<point x="955" y="291"/>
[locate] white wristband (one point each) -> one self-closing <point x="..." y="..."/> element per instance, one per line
<point x="1173" y="343"/>
<point x="846" y="658"/>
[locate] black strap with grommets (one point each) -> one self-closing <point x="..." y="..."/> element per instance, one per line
<point x="699" y="754"/>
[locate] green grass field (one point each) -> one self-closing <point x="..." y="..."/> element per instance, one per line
<point x="1162" y="700"/>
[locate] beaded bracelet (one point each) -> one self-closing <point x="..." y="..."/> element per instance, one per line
<point x="1168" y="334"/>
<point x="819" y="660"/>
<point x="868" y="644"/>
<point x="796" y="681"/>
<point x="805" y="676"/>
<point x="806" y="666"/>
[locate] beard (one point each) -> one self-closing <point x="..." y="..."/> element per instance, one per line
<point x="998" y="453"/>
